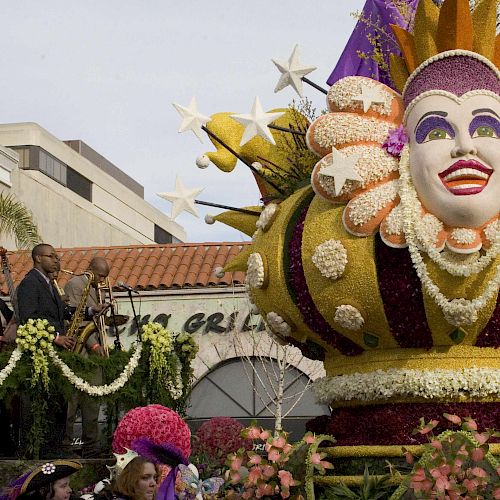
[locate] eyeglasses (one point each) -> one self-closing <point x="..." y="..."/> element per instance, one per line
<point x="50" y="256"/>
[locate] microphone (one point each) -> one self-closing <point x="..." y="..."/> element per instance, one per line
<point x="127" y="287"/>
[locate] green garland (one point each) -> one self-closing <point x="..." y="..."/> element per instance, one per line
<point x="140" y="390"/>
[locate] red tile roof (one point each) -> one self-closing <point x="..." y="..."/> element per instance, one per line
<point x="144" y="267"/>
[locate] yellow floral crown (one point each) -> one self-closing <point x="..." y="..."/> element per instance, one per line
<point x="451" y="27"/>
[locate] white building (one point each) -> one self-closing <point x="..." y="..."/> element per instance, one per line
<point x="78" y="197"/>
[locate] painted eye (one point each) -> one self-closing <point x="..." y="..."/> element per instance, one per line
<point x="485" y="131"/>
<point x="437" y="133"/>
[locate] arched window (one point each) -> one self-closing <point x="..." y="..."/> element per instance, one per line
<point x="245" y="389"/>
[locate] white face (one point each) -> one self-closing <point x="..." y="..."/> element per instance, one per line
<point x="146" y="486"/>
<point x="455" y="158"/>
<point x="62" y="489"/>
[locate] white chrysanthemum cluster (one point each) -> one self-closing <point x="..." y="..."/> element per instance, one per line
<point x="255" y="271"/>
<point x="334" y="129"/>
<point x="373" y="165"/>
<point x="427" y="229"/>
<point x="267" y="216"/>
<point x="428" y="384"/>
<point x="277" y="324"/>
<point x="394" y="221"/>
<point x="343" y="92"/>
<point x="349" y="317"/>
<point x="209" y="219"/>
<point x="460" y="312"/>
<point x="463" y="235"/>
<point x="368" y="205"/>
<point x="492" y="231"/>
<point x="330" y="258"/>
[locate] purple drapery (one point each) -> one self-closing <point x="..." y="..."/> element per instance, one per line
<point x="382" y="13"/>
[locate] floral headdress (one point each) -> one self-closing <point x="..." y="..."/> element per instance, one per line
<point x="450" y="49"/>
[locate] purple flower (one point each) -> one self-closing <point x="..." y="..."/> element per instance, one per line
<point x="396" y="141"/>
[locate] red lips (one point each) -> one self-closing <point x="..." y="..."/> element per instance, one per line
<point x="466" y="177"/>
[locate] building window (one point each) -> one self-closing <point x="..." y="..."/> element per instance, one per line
<point x="79" y="184"/>
<point x="52" y="167"/>
<point x="162" y="236"/>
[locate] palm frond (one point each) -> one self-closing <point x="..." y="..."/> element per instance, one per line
<point x="16" y="220"/>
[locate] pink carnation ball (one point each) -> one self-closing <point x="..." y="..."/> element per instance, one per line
<point x="156" y="422"/>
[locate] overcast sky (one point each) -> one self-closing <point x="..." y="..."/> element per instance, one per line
<point x="107" y="71"/>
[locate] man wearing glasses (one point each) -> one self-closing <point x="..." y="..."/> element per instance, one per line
<point x="37" y="297"/>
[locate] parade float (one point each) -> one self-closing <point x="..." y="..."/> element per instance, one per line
<point x="376" y="248"/>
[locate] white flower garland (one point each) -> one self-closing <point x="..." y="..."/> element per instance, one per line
<point x="97" y="390"/>
<point x="7" y="370"/>
<point x="429" y="384"/>
<point x="457" y="311"/>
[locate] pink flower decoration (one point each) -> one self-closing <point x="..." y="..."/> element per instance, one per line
<point x="478" y="472"/>
<point x="455" y="419"/>
<point x="309" y="438"/>
<point x="315" y="458"/>
<point x="477" y="454"/>
<point x="156" y="422"/>
<point x="470" y="424"/>
<point x="273" y="455"/>
<point x="279" y="442"/>
<point x="286" y="478"/>
<point x="264" y="435"/>
<point x="255" y="459"/>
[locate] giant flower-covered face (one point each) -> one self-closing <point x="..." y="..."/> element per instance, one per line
<point x="455" y="157"/>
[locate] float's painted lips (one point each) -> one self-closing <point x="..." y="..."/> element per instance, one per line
<point x="466" y="177"/>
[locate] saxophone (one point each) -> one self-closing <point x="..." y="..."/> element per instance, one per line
<point x="81" y="335"/>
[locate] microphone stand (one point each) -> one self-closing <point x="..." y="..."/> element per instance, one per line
<point x="133" y="312"/>
<point x="118" y="344"/>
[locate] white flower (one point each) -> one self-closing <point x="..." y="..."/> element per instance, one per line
<point x="349" y="317"/>
<point x="393" y="383"/>
<point x="330" y="258"/>
<point x="48" y="468"/>
<point x="267" y="216"/>
<point x="255" y="271"/>
<point x="463" y="235"/>
<point x="277" y="324"/>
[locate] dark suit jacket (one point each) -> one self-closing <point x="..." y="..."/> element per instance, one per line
<point x="5" y="310"/>
<point x="37" y="299"/>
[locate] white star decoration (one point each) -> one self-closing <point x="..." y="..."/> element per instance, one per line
<point x="192" y="119"/>
<point x="292" y="72"/>
<point x="181" y="198"/>
<point x="368" y="96"/>
<point x="341" y="169"/>
<point x="256" y="123"/>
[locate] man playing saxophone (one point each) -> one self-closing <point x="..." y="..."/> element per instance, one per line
<point x="75" y="291"/>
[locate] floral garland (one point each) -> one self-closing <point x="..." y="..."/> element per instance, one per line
<point x="7" y="370"/>
<point x="97" y="390"/>
<point x="457" y="311"/>
<point x="429" y="384"/>
<point x="36" y="335"/>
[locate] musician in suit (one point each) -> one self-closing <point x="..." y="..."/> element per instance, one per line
<point x="74" y="290"/>
<point x="37" y="297"/>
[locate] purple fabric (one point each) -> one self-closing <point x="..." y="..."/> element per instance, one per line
<point x="13" y="490"/>
<point x="382" y="13"/>
<point x="166" y="491"/>
<point x="455" y="74"/>
<point x="163" y="454"/>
